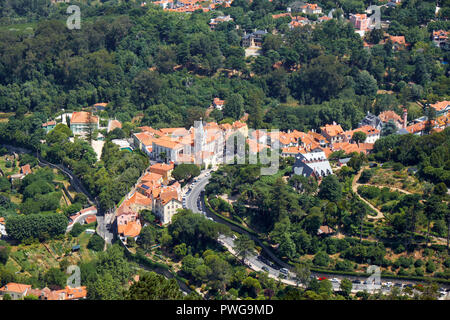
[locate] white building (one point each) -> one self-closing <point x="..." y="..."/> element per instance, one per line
<point x="314" y="163"/>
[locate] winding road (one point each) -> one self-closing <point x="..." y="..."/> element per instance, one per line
<point x="272" y="264"/>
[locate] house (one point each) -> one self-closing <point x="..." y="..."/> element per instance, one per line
<point x="323" y="19"/>
<point x="49" y="126"/>
<point x="313" y="163"/>
<point x="113" y="124"/>
<point x="324" y="230"/>
<point x="215" y="21"/>
<point x="218" y="104"/>
<point x="167" y="149"/>
<point x="167" y="204"/>
<point x="332" y="132"/>
<point x="441" y="107"/>
<point x="398" y="42"/>
<point x="372" y="134"/>
<point x="81" y="123"/>
<point x="254" y="39"/>
<point x="127" y="220"/>
<point x="311" y="8"/>
<point x="17" y="291"/>
<point x="67" y="293"/>
<point x="2" y="227"/>
<point x="389" y="115"/>
<point x="298" y="22"/>
<point x="101" y="106"/>
<point x="440" y="38"/>
<point x="24" y="171"/>
<point x="360" y="21"/>
<point x="90" y="219"/>
<point x="371" y="120"/>
<point x="348" y="147"/>
<point x="144" y="142"/>
<point x="163" y="169"/>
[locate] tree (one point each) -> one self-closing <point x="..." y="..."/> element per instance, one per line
<point x="359" y="136"/>
<point x="302" y="273"/>
<point x="77" y="229"/>
<point x="244" y="246"/>
<point x="147" y="237"/>
<point x="389" y="128"/>
<point x="55" y="278"/>
<point x="321" y="259"/>
<point x="365" y="84"/>
<point x="330" y="189"/>
<point x="234" y="107"/>
<point x="105" y="287"/>
<point x="96" y="243"/>
<point x="36" y="226"/>
<point x="153" y="286"/>
<point x="4" y="254"/>
<point x="252" y="286"/>
<point x="346" y="287"/>
<point x="185" y="171"/>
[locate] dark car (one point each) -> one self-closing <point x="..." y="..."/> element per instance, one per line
<point x="265" y="268"/>
<point x="274" y="266"/>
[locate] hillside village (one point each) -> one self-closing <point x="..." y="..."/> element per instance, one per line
<point x="158" y="192"/>
<point x="140" y="190"/>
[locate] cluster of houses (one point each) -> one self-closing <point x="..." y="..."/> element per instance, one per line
<point x="84" y="122"/>
<point x="155" y="191"/>
<point x="189" y="6"/>
<point x="18" y="291"/>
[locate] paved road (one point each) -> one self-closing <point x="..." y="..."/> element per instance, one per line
<point x="273" y="267"/>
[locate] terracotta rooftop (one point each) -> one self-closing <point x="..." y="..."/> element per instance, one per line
<point x="385" y="116"/>
<point x="83" y="117"/>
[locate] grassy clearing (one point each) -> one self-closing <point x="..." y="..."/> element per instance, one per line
<point x="33" y="259"/>
<point x="397" y="179"/>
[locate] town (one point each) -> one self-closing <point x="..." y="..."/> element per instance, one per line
<point x="225" y="150"/>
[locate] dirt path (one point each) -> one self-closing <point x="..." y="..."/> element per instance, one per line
<point x="355" y="186"/>
<point x="380" y="215"/>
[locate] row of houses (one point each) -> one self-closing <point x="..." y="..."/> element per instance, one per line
<point x="199" y="145"/>
<point x="18" y="291"/>
<point x="189" y="6"/>
<point x="155" y="191"/>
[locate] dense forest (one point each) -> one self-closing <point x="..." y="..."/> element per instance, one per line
<point x="169" y="66"/>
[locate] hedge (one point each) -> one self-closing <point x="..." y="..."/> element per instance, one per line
<point x="208" y="206"/>
<point x="383" y="275"/>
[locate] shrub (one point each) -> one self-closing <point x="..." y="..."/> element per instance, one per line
<point x="344" y="265"/>
<point x="419" y="263"/>
<point x="321" y="259"/>
<point x="419" y="272"/>
<point x="399" y="249"/>
<point x="402" y="272"/>
<point x="430" y="266"/>
<point x="77" y="229"/>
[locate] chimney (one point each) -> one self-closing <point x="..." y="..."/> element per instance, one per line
<point x="405" y="117"/>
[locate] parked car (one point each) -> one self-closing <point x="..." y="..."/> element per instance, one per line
<point x="322" y="278"/>
<point x="336" y="280"/>
<point x="265" y="268"/>
<point x="284" y="271"/>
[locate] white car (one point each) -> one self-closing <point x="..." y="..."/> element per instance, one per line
<point x="336" y="280"/>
